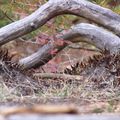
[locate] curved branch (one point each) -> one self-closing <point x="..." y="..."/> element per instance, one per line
<point x="94" y="35"/>
<point x="52" y="8"/>
<point x="83" y="32"/>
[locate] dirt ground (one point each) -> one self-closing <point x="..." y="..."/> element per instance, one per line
<point x="82" y="94"/>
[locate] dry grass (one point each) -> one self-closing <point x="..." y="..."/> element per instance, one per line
<point x="83" y="93"/>
<point x="90" y="99"/>
<point x="86" y="91"/>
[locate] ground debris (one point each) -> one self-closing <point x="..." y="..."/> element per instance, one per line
<point x="102" y="69"/>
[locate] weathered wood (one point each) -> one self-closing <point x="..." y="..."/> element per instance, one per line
<point x="55" y="75"/>
<point x="41" y="57"/>
<point x="63" y="117"/>
<point x="94" y="35"/>
<point x="40" y="109"/>
<point x="52" y="8"/>
<point x="83" y="32"/>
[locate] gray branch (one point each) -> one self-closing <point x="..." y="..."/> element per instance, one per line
<point x="83" y="32"/>
<point x="52" y="8"/>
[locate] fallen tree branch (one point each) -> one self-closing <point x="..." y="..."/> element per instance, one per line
<point x="81" y="47"/>
<point x="58" y="76"/>
<point x="94" y="35"/>
<point x="42" y="56"/>
<point x="40" y="109"/>
<point x="52" y="8"/>
<point x="83" y="32"/>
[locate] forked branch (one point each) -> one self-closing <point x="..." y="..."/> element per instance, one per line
<point x="83" y="32"/>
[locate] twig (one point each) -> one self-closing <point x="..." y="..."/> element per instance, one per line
<point x="56" y="75"/>
<point x="7" y="16"/>
<point x="82" y="32"/>
<point x="84" y="48"/>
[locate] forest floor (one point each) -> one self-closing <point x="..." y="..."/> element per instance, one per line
<point x="81" y="94"/>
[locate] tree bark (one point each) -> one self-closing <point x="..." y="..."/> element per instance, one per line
<point x="99" y="37"/>
<point x="89" y="33"/>
<point x="52" y="8"/>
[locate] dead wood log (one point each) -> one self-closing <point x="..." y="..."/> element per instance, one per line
<point x="83" y="32"/>
<point x="52" y="8"/>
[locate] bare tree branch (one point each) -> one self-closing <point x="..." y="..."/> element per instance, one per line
<point x="52" y="8"/>
<point x="83" y="32"/>
<point x="94" y="35"/>
<point x="42" y="56"/>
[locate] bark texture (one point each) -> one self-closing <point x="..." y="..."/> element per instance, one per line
<point x="52" y="8"/>
<point x="89" y="33"/>
<point x="83" y="32"/>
